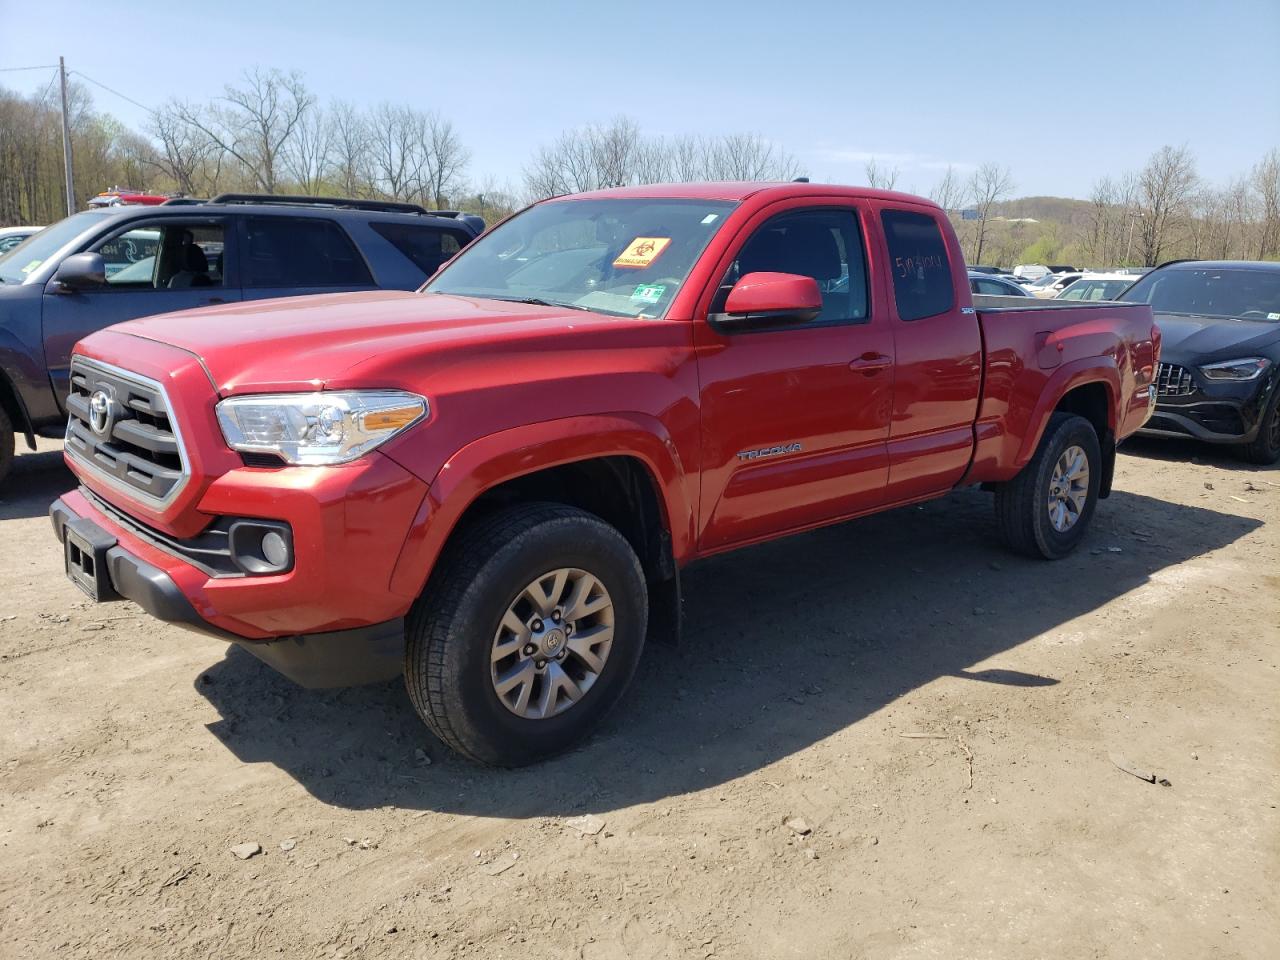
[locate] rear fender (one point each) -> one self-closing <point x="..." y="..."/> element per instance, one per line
<point x="1064" y="380"/>
<point x="493" y="460"/>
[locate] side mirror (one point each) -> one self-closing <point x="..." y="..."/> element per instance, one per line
<point x="761" y="301"/>
<point x="82" y="271"/>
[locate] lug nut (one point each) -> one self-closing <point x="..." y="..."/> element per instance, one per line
<point x="568" y="629"/>
<point x="561" y="654"/>
<point x="555" y="615"/>
<point x="540" y="664"/>
<point x="536" y="626"/>
<point x="529" y="650"/>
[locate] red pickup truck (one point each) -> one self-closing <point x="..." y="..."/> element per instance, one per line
<point x="493" y="483"/>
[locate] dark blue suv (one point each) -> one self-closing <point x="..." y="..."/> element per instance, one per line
<point x="105" y="266"/>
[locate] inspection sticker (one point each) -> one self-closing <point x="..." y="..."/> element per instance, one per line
<point x="641" y="252"/>
<point x="1273" y="316"/>
<point x="649" y="293"/>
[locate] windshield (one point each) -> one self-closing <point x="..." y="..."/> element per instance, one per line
<point x="622" y="257"/>
<point x="1047" y="280"/>
<point x="1209" y="292"/>
<point x="26" y="257"/>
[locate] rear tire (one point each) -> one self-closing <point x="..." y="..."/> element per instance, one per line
<point x="7" y="450"/>
<point x="548" y="690"/>
<point x="1030" y="522"/>
<point x="1265" y="448"/>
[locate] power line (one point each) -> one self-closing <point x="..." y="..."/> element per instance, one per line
<point x="46" y="66"/>
<point x="117" y="93"/>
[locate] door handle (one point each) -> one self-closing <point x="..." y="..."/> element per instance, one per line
<point x="871" y="363"/>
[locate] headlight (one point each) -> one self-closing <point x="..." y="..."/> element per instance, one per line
<point x="318" y="428"/>
<point x="1250" y="368"/>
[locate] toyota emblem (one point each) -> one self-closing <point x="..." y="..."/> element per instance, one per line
<point x="100" y="413"/>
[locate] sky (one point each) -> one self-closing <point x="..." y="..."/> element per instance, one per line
<point x="1062" y="94"/>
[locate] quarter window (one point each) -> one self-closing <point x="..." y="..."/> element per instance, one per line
<point x="283" y="252"/>
<point x="425" y="247"/>
<point x="922" y="284"/>
<point x="823" y="244"/>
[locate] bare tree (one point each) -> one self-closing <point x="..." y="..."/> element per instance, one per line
<point x="948" y="192"/>
<point x="748" y="156"/>
<point x="1265" y="181"/>
<point x="307" y="155"/>
<point x="349" y="148"/>
<point x="184" y="151"/>
<point x="400" y="164"/>
<point x="989" y="184"/>
<point x="447" y="159"/>
<point x="1165" y="186"/>
<point x="255" y="123"/>
<point x="881" y="178"/>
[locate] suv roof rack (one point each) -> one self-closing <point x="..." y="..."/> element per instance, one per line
<point x="344" y="203"/>
<point x="182" y="201"/>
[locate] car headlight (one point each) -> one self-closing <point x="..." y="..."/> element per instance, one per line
<point x="318" y="428"/>
<point x="1250" y="368"/>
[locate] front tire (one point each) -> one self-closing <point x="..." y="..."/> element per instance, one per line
<point x="1045" y="510"/>
<point x="1265" y="448"/>
<point x="529" y="631"/>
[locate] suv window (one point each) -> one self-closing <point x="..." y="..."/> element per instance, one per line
<point x="302" y="252"/>
<point x="426" y="247"/>
<point x="823" y="244"/>
<point x="922" y="285"/>
<point x="172" y="255"/>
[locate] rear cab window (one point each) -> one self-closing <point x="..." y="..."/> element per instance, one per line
<point x="300" y="252"/>
<point x="921" y="267"/>
<point x="426" y="247"/>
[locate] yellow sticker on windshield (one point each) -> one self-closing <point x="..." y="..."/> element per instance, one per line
<point x="641" y="252"/>
<point x="31" y="266"/>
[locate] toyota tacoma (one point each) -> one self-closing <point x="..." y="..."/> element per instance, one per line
<point x="493" y="483"/>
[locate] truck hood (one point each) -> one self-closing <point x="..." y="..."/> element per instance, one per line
<point x="1206" y="339"/>
<point x="301" y="343"/>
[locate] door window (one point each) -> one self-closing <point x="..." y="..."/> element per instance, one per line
<point x="285" y="252"/>
<point x="922" y="285"/>
<point x="823" y="244"/>
<point x="173" y="255"/>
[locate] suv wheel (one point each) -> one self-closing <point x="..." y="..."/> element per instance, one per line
<point x="530" y="630"/>
<point x="1045" y="510"/>
<point x="1265" y="448"/>
<point x="6" y="444"/>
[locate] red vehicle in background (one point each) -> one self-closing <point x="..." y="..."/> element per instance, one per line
<point x="493" y="483"/>
<point x="123" y="197"/>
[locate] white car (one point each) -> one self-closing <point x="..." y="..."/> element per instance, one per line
<point x="1030" y="271"/>
<point x="1051" y="284"/>
<point x="10" y="237"/>
<point x="1098" y="286"/>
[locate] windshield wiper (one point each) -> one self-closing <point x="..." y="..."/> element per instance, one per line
<point x="539" y="302"/>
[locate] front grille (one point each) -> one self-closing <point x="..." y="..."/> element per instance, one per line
<point x="1174" y="381"/>
<point x="121" y="430"/>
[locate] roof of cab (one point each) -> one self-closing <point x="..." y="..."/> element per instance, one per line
<point x="738" y="190"/>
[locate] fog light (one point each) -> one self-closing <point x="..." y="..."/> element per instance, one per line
<point x="275" y="549"/>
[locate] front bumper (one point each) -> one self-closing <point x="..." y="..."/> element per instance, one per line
<point x="334" y="659"/>
<point x="1226" y="413"/>
<point x="333" y="618"/>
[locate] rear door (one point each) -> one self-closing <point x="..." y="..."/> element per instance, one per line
<point x="152" y="266"/>
<point x="938" y="373"/>
<point x="283" y="256"/>
<point x="795" y="418"/>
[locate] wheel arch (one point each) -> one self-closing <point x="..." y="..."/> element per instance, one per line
<point x="11" y="403"/>
<point x="625" y="470"/>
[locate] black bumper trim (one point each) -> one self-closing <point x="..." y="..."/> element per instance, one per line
<point x="1192" y="429"/>
<point x="340" y="658"/>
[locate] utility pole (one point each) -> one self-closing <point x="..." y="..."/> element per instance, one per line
<point x="66" y="141"/>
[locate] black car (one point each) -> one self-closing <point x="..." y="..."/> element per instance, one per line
<point x="112" y="264"/>
<point x="1219" y="375"/>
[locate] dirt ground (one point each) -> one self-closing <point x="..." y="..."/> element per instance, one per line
<point x="939" y="714"/>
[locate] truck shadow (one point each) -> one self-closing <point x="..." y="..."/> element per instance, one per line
<point x="785" y="644"/>
<point x="37" y="479"/>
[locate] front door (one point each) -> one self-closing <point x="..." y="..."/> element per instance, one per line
<point x="795" y="419"/>
<point x="155" y="266"/>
